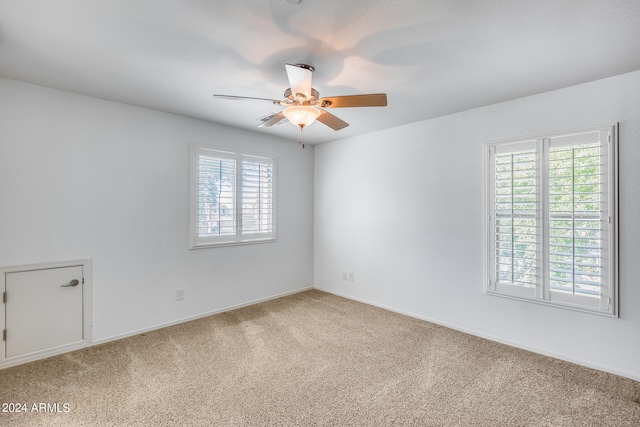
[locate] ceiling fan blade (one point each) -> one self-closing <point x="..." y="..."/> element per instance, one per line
<point x="272" y="121"/>
<point x="300" y="79"/>
<point x="369" y="100"/>
<point x="245" y="98"/>
<point x="332" y="121"/>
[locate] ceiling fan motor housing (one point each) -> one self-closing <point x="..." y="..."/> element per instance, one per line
<point x="289" y="96"/>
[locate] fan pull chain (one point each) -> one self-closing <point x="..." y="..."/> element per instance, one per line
<point x="301" y="139"/>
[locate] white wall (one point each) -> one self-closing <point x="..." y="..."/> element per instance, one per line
<point x="81" y="177"/>
<point x="403" y="210"/>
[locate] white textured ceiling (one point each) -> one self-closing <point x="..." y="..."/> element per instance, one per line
<point x="431" y="57"/>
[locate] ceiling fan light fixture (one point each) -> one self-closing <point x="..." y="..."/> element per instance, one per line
<point x="300" y="115"/>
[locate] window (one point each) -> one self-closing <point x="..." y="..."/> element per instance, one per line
<point x="552" y="219"/>
<point x="233" y="198"/>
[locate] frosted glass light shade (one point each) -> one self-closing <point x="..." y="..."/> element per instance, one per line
<point x="300" y="115"/>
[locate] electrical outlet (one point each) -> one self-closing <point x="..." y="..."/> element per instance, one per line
<point x="344" y="276"/>
<point x="351" y="277"/>
<point x="179" y="294"/>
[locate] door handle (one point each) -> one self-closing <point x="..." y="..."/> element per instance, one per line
<point x="74" y="282"/>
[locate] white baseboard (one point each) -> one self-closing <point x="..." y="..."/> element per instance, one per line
<point x="487" y="336"/>
<point x="197" y="316"/>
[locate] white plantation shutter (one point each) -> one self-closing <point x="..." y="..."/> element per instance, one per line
<point x="216" y="196"/>
<point x="257" y="197"/>
<point x="514" y="224"/>
<point x="232" y="198"/>
<point x="552" y="219"/>
<point x="578" y="212"/>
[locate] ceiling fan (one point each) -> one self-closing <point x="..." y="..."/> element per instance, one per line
<point x="303" y="104"/>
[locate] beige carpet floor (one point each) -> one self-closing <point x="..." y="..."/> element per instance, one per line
<point x="314" y="359"/>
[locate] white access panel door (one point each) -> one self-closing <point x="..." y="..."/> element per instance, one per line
<point x="43" y="310"/>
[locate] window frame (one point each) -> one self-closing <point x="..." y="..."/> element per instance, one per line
<point x="238" y="237"/>
<point x="608" y="302"/>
